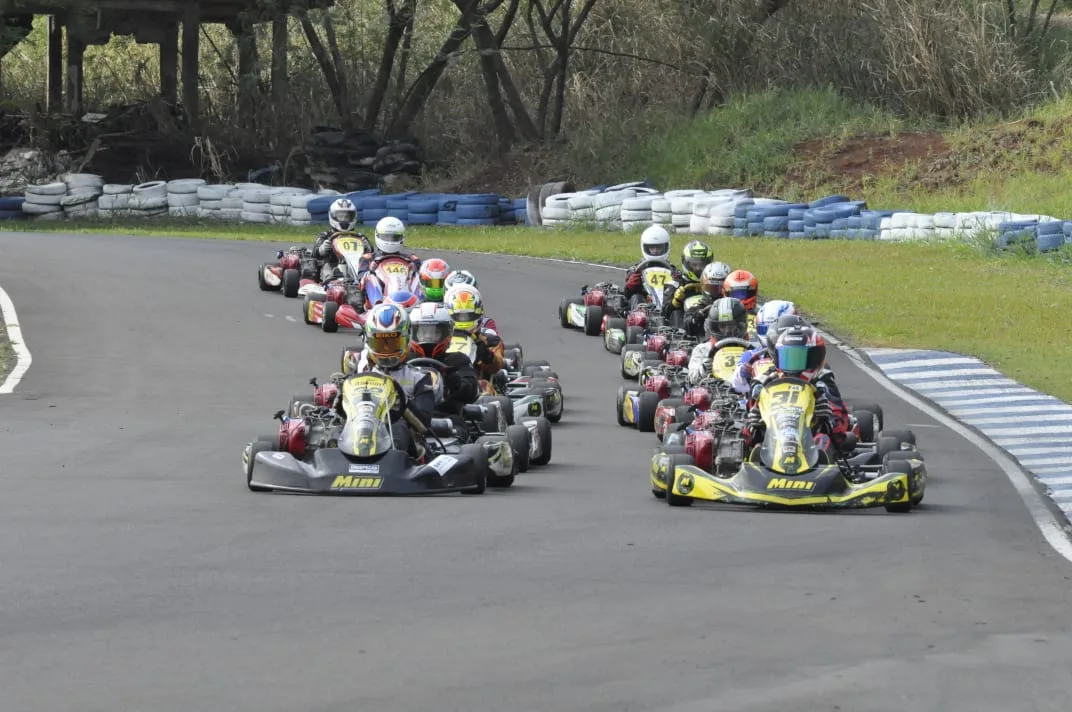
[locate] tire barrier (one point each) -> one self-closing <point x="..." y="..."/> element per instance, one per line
<point x="626" y="206"/>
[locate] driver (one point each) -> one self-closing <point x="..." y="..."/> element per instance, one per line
<point x="800" y="351"/>
<point x="431" y="329"/>
<point x="654" y="248"/>
<point x="774" y="317"/>
<point x="342" y="217"/>
<point x="433" y="276"/>
<point x="466" y="308"/>
<point x="695" y="257"/>
<point x="727" y="319"/>
<point x="742" y="284"/>
<point x="711" y="288"/>
<point x="390" y="239"/>
<point x="387" y="346"/>
<point x="460" y="276"/>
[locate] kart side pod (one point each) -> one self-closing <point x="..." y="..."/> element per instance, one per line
<point x="594" y="298"/>
<point x="637" y="318"/>
<point x="658" y="384"/>
<point x="678" y="357"/>
<point x="290" y="261"/>
<point x="698" y="397"/>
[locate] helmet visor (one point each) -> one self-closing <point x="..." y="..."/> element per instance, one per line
<point x="792" y="359"/>
<point x="388" y="344"/>
<point x="742" y="293"/>
<point x="656" y="250"/>
<point x="465" y="319"/>
<point x="434" y="294"/>
<point x="344" y="217"/>
<point x="695" y="265"/>
<point x="431" y="332"/>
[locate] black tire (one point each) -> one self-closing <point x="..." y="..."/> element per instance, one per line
<point x="480" y="467"/>
<point x="619" y="403"/>
<point x="633" y="334"/>
<point x="265" y="287"/>
<point x="563" y="308"/>
<point x="520" y="443"/>
<point x="506" y="405"/>
<point x="653" y="356"/>
<point x="257" y="446"/>
<point x="329" y="325"/>
<point x="291" y="282"/>
<point x="875" y="409"/>
<point x="906" y="436"/>
<point x="683" y="414"/>
<point x="900" y="507"/>
<point x="494" y="480"/>
<point x="613" y="323"/>
<point x="593" y="320"/>
<point x="628" y="348"/>
<point x="668" y="450"/>
<point x="675" y="403"/>
<point x="646" y="405"/>
<point x="866" y="422"/>
<point x="886" y="445"/>
<point x="676" y="500"/>
<point x="543" y="428"/>
<point x="490" y="422"/>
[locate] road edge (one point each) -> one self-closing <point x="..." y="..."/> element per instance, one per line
<point x="23" y="359"/>
<point x="1049" y="523"/>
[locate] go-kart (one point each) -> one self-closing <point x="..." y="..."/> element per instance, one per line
<point x="593" y="309"/>
<point x="298" y="270"/>
<point x="538" y="387"/>
<point x="636" y="406"/>
<point x="318" y="451"/>
<point x="789" y="469"/>
<point x="645" y="311"/>
<point x="714" y="388"/>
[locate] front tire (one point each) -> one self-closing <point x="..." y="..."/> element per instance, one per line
<point x="291" y="282"/>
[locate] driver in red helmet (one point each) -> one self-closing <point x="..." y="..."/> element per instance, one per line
<point x="430" y="330"/>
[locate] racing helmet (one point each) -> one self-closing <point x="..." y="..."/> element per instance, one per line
<point x="786" y="321"/>
<point x="403" y="298"/>
<point x="387" y="337"/>
<point x="342" y="215"/>
<point x="770" y="312"/>
<point x="390" y="234"/>
<point x="655" y="243"/>
<point x="460" y="276"/>
<point x="466" y="307"/>
<point x="712" y="277"/>
<point x="727" y="319"/>
<point x="742" y="285"/>
<point x="430" y="330"/>
<point x="800" y="351"/>
<point x="433" y="275"/>
<point x="694" y="258"/>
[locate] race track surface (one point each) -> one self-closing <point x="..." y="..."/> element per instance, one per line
<point x="137" y="572"/>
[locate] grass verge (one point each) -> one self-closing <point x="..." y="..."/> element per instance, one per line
<point x="7" y="354"/>
<point x="944" y="296"/>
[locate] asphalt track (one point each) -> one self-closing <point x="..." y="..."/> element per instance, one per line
<point x="137" y="572"/>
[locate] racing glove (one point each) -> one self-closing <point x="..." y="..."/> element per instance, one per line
<point x="753" y="420"/>
<point x="822" y="412"/>
<point x="632" y="281"/>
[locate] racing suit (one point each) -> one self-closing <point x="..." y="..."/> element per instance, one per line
<point x="702" y="357"/>
<point x="634" y="285"/>
<point x="419" y="398"/>
<point x="327" y="257"/>
<point x="488" y="324"/>
<point x="490" y="351"/>
<point x="753" y="364"/>
<point x="460" y="385"/>
<point x="674" y="297"/>
<point x="693" y="320"/>
<point x="372" y="258"/>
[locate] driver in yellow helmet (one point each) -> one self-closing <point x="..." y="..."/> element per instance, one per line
<point x="466" y="308"/>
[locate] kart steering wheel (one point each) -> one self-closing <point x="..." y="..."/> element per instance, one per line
<point x="427" y="362"/>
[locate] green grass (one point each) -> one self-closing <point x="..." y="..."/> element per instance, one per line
<point x="7" y="354"/>
<point x="950" y="297"/>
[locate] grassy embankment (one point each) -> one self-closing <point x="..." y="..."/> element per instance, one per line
<point x="955" y="297"/>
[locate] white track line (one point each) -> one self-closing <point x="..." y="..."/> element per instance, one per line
<point x="23" y="359"/>
<point x="1037" y="505"/>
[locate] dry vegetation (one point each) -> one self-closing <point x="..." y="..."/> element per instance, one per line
<point x="634" y="70"/>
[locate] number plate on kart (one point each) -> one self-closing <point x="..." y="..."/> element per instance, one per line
<point x="347" y="244"/>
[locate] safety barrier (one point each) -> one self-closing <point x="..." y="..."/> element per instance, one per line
<point x="625" y="206"/>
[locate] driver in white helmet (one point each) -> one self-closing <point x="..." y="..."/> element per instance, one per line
<point x="389" y="240"/>
<point x="654" y="249"/>
<point x="342" y="218"/>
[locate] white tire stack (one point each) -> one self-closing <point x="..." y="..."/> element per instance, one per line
<point x="299" y="209"/>
<point x="279" y="203"/>
<point x="681" y="208"/>
<point x="83" y="189"/>
<point x="231" y="204"/>
<point x="210" y="200"/>
<point x="115" y="200"/>
<point x="661" y="212"/>
<point x="44" y="200"/>
<point x="255" y="203"/>
<point x="636" y="212"/>
<point x="556" y="209"/>
<point x="608" y="207"/>
<point x="182" y="198"/>
<point x="149" y="200"/>
<point x="582" y="207"/>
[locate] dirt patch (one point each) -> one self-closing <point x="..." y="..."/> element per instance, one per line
<point x="851" y="162"/>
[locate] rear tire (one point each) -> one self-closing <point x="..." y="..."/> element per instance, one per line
<point x="480" y="467"/>
<point x="543" y="428"/>
<point x="633" y="334"/>
<point x="648" y="401"/>
<point x="329" y="325"/>
<point x="521" y="443"/>
<point x="593" y="320"/>
<point x="265" y="287"/>
<point x="676" y="500"/>
<point x="563" y="310"/>
<point x="291" y="282"/>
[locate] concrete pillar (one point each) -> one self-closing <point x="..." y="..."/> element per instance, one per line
<point x="54" y="95"/>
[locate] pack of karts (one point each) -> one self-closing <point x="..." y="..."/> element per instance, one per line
<point x="343" y="300"/>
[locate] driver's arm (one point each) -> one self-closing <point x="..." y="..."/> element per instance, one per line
<point x="460" y="378"/>
<point x="422" y="403"/>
